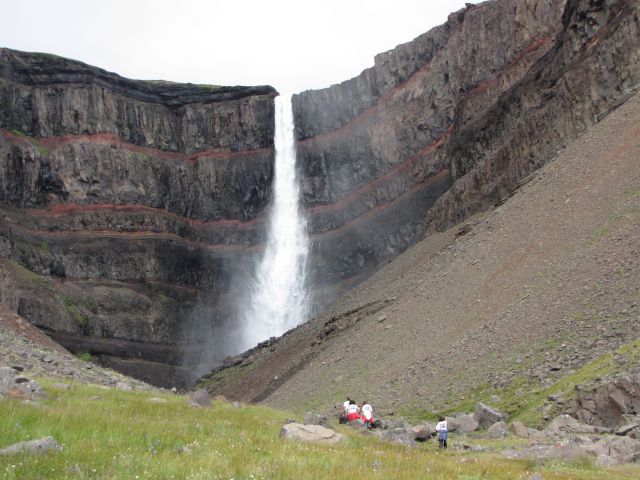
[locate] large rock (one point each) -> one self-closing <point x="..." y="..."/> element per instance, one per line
<point x="316" y="419"/>
<point x="422" y="433"/>
<point x="498" y="430"/>
<point x="42" y="445"/>
<point x="310" y="433"/>
<point x="200" y="398"/>
<point x="13" y="384"/>
<point x="615" y="450"/>
<point x="487" y="416"/>
<point x="403" y="436"/>
<point x="566" y="424"/>
<point x="463" y="424"/>
<point x="608" y="404"/>
<point x="519" y="429"/>
<point x="390" y="424"/>
<point x="605" y="450"/>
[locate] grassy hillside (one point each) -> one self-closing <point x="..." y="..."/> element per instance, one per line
<point x="112" y="434"/>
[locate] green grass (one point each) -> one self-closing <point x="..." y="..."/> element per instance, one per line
<point x="85" y="356"/>
<point x="112" y="434"/>
<point x="37" y="145"/>
<point x="73" y="310"/>
<point x="523" y="400"/>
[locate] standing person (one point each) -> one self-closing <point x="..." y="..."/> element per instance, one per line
<point x="345" y="405"/>
<point x="343" y="415"/>
<point x="441" y="428"/>
<point x="367" y="414"/>
<point x="353" y="411"/>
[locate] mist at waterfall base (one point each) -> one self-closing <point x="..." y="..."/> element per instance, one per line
<point x="268" y="294"/>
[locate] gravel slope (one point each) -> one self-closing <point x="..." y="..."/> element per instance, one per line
<point x="25" y="346"/>
<point x="536" y="287"/>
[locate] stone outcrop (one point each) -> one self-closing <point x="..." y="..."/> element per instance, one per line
<point x="42" y="445"/>
<point x="127" y="207"/>
<point x="15" y="385"/>
<point x="610" y="404"/>
<point x="311" y="433"/>
<point x="448" y="124"/>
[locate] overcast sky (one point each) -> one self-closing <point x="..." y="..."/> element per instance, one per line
<point x="293" y="46"/>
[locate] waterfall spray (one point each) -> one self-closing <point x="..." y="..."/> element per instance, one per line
<point x="278" y="298"/>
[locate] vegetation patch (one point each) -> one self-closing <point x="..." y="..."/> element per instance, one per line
<point x="113" y="434"/>
<point x="42" y="150"/>
<point x="522" y="400"/>
<point x="73" y="310"/>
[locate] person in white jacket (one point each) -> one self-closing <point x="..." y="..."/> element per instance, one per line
<point x="367" y="414"/>
<point x="443" y="433"/>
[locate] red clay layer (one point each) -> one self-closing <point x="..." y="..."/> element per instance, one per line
<point x="110" y="139"/>
<point x="140" y="235"/>
<point x="442" y="174"/>
<point x="69" y="209"/>
<point x="406" y="165"/>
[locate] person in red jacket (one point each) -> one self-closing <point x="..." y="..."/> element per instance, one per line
<point x="353" y="411"/>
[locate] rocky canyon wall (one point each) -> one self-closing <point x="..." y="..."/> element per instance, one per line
<point x="449" y="124"/>
<point x="127" y="208"/>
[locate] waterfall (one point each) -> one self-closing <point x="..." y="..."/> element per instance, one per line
<point x="278" y="298"/>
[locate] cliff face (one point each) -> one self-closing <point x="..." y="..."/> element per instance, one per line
<point x="437" y="130"/>
<point x="127" y="207"/>
<point x="448" y="124"/>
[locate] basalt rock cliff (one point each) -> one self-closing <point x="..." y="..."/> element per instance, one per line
<point x="448" y="124"/>
<point x="127" y="206"/>
<point x="437" y="130"/>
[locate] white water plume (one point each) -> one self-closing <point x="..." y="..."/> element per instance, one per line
<point x="278" y="296"/>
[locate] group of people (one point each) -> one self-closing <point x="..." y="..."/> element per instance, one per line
<point x="352" y="412"/>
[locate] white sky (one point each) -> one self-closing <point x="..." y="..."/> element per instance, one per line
<point x="293" y="46"/>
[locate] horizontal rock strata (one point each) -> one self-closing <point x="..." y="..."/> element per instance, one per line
<point x="448" y="124"/>
<point x="128" y="207"/>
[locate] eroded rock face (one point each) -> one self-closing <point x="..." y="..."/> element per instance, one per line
<point x="448" y="124"/>
<point x="133" y="203"/>
<point x="608" y="405"/>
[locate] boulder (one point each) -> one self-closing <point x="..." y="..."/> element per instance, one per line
<point x="200" y="398"/>
<point x="41" y="445"/>
<point x="617" y="449"/>
<point x="124" y="386"/>
<point x="487" y="416"/>
<point x="464" y="424"/>
<point x="498" y="430"/>
<point x="310" y="433"/>
<point x="541" y="453"/>
<point x="629" y="427"/>
<point x="403" y="436"/>
<point x="422" y="433"/>
<point x="608" y="404"/>
<point x="394" y="423"/>
<point x="316" y="419"/>
<point x="566" y="424"/>
<point x="519" y="429"/>
<point x="13" y="384"/>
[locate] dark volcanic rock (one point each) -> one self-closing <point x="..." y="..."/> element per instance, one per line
<point x="134" y="203"/>
<point x="610" y="404"/>
<point x="448" y="124"/>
